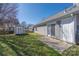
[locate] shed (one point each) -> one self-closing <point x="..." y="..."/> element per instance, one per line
<point x="19" y="30"/>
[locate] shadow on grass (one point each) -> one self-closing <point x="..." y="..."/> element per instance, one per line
<point x="22" y="34"/>
<point x="31" y="47"/>
<point x="15" y="48"/>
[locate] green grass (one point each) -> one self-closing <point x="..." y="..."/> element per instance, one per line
<point x="72" y="51"/>
<point x="25" y="45"/>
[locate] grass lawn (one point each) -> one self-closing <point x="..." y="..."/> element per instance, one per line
<point x="72" y="51"/>
<point x="25" y="45"/>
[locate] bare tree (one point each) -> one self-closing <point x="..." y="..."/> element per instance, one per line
<point x="8" y="12"/>
<point x="24" y="24"/>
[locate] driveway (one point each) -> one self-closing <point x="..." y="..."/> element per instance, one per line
<point x="55" y="43"/>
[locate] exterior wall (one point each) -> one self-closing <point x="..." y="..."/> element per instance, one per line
<point x="42" y="30"/>
<point x="68" y="29"/>
<point x="58" y="32"/>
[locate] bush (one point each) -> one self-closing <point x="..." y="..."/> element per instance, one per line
<point x="2" y="32"/>
<point x="11" y="32"/>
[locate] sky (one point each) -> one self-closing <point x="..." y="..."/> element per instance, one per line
<point x="33" y="13"/>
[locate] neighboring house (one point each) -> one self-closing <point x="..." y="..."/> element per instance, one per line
<point x="30" y="28"/>
<point x="64" y="25"/>
<point x="12" y="27"/>
<point x="8" y="25"/>
<point x="1" y="27"/>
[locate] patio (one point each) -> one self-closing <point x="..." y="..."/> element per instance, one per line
<point x="55" y="43"/>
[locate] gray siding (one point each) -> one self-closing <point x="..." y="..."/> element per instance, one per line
<point x="42" y="30"/>
<point x="65" y="31"/>
<point x="68" y="29"/>
<point x="58" y="33"/>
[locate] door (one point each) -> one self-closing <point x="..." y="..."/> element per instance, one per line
<point x="52" y="29"/>
<point x="49" y="30"/>
<point x="77" y="35"/>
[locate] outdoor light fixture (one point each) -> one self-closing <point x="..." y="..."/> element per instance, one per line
<point x="71" y="14"/>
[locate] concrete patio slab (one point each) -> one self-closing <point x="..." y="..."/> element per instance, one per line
<point x="55" y="43"/>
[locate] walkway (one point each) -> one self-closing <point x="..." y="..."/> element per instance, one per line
<point x="56" y="44"/>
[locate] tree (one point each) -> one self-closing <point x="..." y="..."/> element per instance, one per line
<point x="30" y="25"/>
<point x="24" y="24"/>
<point x="8" y="13"/>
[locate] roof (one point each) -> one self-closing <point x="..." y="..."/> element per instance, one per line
<point x="67" y="11"/>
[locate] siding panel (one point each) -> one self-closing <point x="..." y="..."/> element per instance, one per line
<point x="42" y="30"/>
<point x="68" y="29"/>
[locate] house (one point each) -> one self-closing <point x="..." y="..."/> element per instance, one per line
<point x="30" y="28"/>
<point x="11" y="27"/>
<point x="7" y="25"/>
<point x="64" y="25"/>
